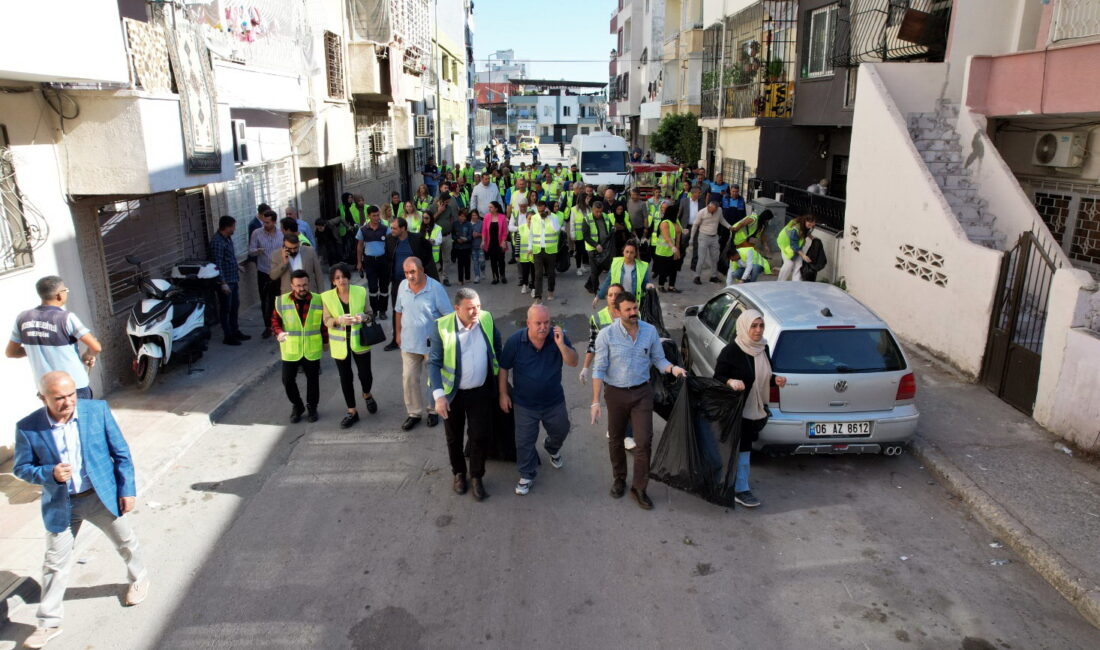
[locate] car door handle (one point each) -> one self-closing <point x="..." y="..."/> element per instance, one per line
<point x="838" y="403"/>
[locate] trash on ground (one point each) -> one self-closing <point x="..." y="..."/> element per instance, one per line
<point x="998" y="562"/>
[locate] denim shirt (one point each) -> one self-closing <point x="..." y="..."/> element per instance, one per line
<point x="622" y="361"/>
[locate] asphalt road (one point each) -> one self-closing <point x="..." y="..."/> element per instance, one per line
<point x="270" y="535"/>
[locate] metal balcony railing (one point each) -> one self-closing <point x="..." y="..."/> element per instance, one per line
<point x="1075" y="19"/>
<point x="829" y="210"/>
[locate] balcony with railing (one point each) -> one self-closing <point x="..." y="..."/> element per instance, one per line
<point x="1075" y="19"/>
<point x="828" y="210"/>
<point x="888" y="30"/>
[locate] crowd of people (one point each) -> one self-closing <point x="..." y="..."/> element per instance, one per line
<point x="541" y="219"/>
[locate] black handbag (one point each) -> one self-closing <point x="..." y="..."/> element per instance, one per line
<point x="371" y="333"/>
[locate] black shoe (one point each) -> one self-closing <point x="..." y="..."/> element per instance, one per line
<point x="495" y="281"/>
<point x="747" y="499"/>
<point x="478" y="490"/>
<point x="267" y="333"/>
<point x="296" y="414"/>
<point x="715" y="279"/>
<point x="504" y="280"/>
<point x="642" y="498"/>
<point x="372" y="406"/>
<point x="446" y="282"/>
<point x="618" y="488"/>
<point x="349" y="419"/>
<point x="459" y="485"/>
<point x="240" y="336"/>
<point x="230" y="341"/>
<point x="381" y="315"/>
<point x="312" y="415"/>
<point x="697" y="281"/>
<point x="409" y="423"/>
<point x="512" y="261"/>
<point x="433" y="419"/>
<point x="391" y="346"/>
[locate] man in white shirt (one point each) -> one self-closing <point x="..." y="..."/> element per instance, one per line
<point x="485" y="192"/>
<point x="705" y="233"/>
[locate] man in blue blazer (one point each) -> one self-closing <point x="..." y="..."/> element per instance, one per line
<point x="76" y="452"/>
<point x="462" y="370"/>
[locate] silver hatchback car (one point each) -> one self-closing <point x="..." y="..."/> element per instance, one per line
<point x="850" y="388"/>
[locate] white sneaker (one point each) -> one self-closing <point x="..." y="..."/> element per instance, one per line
<point x="556" y="460"/>
<point x="137" y="592"/>
<point x="41" y="636"/>
<point x="580" y="271"/>
<point x="523" y="288"/>
<point x="477" y="280"/>
<point x="550" y="296"/>
<point x="629" y="443"/>
<point x="607" y="434"/>
<point x="524" y="486"/>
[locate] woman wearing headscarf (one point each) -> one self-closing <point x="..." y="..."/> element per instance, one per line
<point x="743" y="365"/>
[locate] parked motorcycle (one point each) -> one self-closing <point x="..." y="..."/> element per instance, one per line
<point x="171" y="321"/>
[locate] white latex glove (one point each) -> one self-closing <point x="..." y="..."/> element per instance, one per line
<point x="585" y="375"/>
<point x="282" y="337"/>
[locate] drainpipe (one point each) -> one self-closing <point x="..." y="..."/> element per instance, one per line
<point x="438" y="91"/>
<point x="721" y="90"/>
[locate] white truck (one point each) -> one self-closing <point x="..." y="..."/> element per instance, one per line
<point x="602" y="159"/>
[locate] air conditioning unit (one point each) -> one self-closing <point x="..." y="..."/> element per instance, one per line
<point x="377" y="143"/>
<point x="423" y="126"/>
<point x="240" y="147"/>
<point x="1059" y="149"/>
<point x="471" y="94"/>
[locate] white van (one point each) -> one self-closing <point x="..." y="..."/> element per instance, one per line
<point x="601" y="158"/>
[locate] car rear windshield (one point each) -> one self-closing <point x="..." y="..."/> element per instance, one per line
<point x="593" y="162"/>
<point x="818" y="352"/>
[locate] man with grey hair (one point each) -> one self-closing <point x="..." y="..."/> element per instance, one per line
<point x="538" y="396"/>
<point x="303" y="227"/>
<point x="420" y="301"/>
<point x="462" y="373"/>
<point x="706" y="226"/>
<point x="74" y="449"/>
<point x="48" y="334"/>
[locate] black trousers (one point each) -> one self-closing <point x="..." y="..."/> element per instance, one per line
<point x="666" y="268"/>
<point x="378" y="281"/>
<point x="347" y="381"/>
<point x="544" y="267"/>
<point x="580" y="254"/>
<point x="527" y="274"/>
<point x="462" y="261"/>
<point x="473" y="407"/>
<point x="496" y="262"/>
<point x="267" y="297"/>
<point x="312" y="370"/>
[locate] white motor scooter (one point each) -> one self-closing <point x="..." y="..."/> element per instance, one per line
<point x="170" y="321"/>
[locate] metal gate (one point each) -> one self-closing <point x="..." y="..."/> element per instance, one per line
<point x="1013" y="353"/>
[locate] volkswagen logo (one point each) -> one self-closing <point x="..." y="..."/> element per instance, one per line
<point x="841" y="386"/>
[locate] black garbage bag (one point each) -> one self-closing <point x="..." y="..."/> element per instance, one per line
<point x="562" y="262"/>
<point x="697" y="452"/>
<point x="818" y="260"/>
<point x="652" y="313"/>
<point x="666" y="387"/>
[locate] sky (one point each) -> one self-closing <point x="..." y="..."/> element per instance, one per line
<point x="546" y="34"/>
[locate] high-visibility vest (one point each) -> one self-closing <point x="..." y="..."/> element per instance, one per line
<point x="437" y="231"/>
<point x="748" y="230"/>
<point x="750" y="256"/>
<point x="304" y="241"/>
<point x="423" y="204"/>
<point x="355" y="216"/>
<point x="577" y="217"/>
<point x="653" y="221"/>
<point x="544" y="236"/>
<point x="661" y="248"/>
<point x="414" y="223"/>
<point x="468" y="174"/>
<point x="784" y="239"/>
<point x="593" y="229"/>
<point x="601" y="319"/>
<point x="337" y="336"/>
<point x="303" y="339"/>
<point x="464" y="196"/>
<point x="524" y="236"/>
<point x="448" y="334"/>
<point x="566" y="204"/>
<point x="551" y="189"/>
<point x="639" y="274"/>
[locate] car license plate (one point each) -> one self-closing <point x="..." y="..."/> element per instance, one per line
<point x="829" y="429"/>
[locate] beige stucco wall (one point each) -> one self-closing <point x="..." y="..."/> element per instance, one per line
<point x="896" y="215"/>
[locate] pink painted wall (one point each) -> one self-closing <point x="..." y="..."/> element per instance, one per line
<point x="1041" y="82"/>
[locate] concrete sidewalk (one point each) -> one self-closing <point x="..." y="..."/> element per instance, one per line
<point x="160" y="425"/>
<point x="1032" y="492"/>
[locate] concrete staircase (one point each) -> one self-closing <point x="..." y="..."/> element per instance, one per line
<point x="938" y="143"/>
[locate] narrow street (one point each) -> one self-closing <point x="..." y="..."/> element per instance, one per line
<point x="271" y="535"/>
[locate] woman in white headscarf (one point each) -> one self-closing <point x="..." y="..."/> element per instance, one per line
<point x="744" y="366"/>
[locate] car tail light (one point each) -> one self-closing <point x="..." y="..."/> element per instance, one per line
<point x="773" y="395"/>
<point x="907" y="388"/>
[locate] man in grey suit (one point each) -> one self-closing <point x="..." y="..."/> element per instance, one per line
<point x="690" y="206"/>
<point x="292" y="257"/>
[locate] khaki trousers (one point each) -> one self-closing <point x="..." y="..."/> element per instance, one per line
<point x="414" y="369"/>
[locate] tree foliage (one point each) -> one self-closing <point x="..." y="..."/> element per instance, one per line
<point x="679" y="137"/>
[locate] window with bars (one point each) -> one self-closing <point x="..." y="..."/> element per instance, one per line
<point x="271" y="183"/>
<point x="818" y="54"/>
<point x="733" y="172"/>
<point x="334" y="65"/>
<point x="1072" y="213"/>
<point x="15" y="247"/>
<point x="147" y="228"/>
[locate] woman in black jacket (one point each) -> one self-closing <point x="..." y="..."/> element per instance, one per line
<point x="744" y="365"/>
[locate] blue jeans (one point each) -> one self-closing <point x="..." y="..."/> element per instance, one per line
<point x="84" y="393"/>
<point x="555" y="419"/>
<point x="229" y="305"/>
<point x="477" y="262"/>
<point x="708" y="446"/>
<point x="741" y="484"/>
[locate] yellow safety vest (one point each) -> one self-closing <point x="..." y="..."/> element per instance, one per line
<point x="337" y="336"/>
<point x="544" y="237"/>
<point x="750" y="256"/>
<point x="414" y="224"/>
<point x="526" y="253"/>
<point x="741" y="235"/>
<point x="784" y="239"/>
<point x="355" y="216"/>
<point x="423" y="204"/>
<point x="437" y="231"/>
<point x="640" y="268"/>
<point x="661" y="247"/>
<point x="303" y="339"/>
<point x="448" y="335"/>
<point x="577" y="218"/>
<point x="590" y="219"/>
<point x="601" y="319"/>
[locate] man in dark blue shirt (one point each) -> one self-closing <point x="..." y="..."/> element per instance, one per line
<point x="224" y="256"/>
<point x="538" y="397"/>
